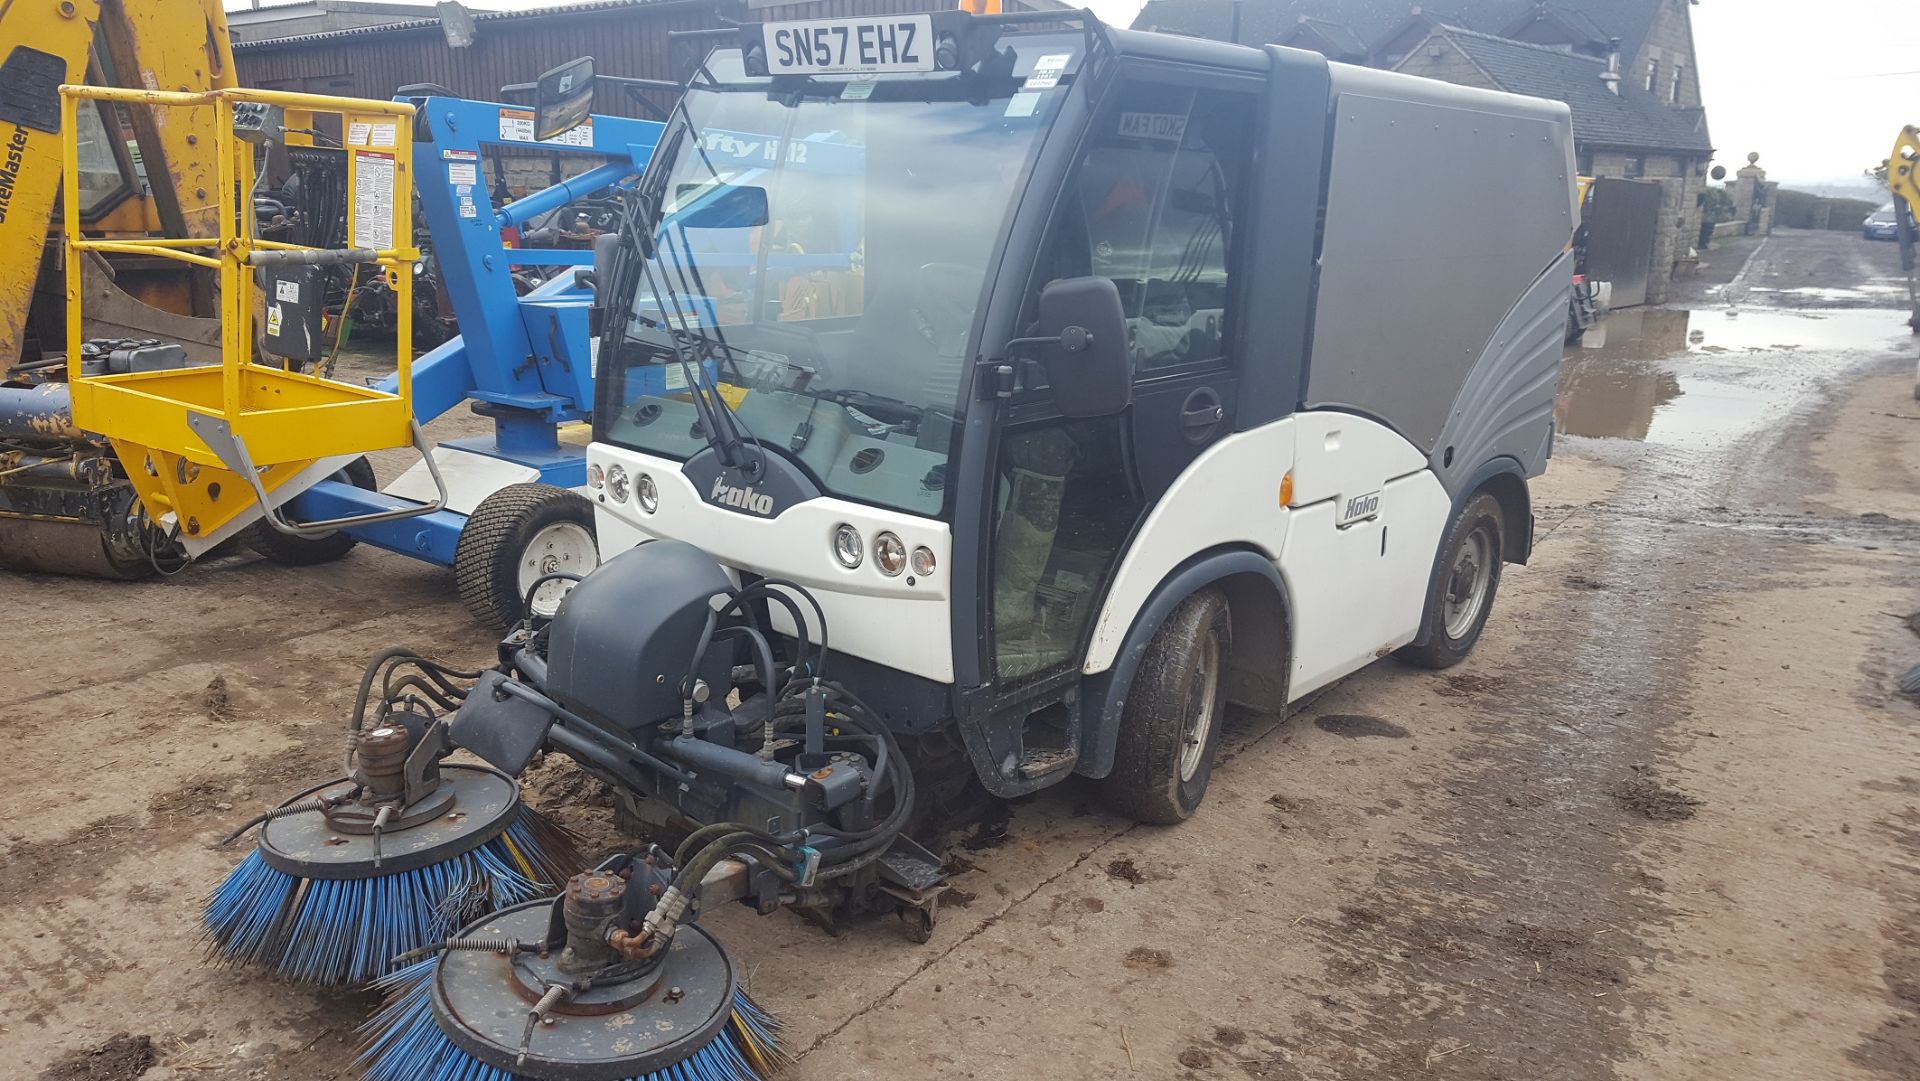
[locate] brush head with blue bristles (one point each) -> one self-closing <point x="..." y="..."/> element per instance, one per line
<point x="317" y="906"/>
<point x="464" y="1017"/>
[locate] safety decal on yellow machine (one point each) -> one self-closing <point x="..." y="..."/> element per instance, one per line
<point x="373" y="175"/>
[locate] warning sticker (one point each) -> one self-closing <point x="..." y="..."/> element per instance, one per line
<point x="516" y="126"/>
<point x="460" y="155"/>
<point x="463" y="173"/>
<point x="273" y="320"/>
<point x="357" y="133"/>
<point x="372" y="200"/>
<point x="287" y="290"/>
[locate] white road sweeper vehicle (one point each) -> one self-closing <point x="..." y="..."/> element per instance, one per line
<point x="979" y="396"/>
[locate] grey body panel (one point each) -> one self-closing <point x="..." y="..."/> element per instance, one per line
<point x="1505" y="406"/>
<point x="1445" y="205"/>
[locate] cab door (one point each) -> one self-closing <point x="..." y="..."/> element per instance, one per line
<point x="1152" y="203"/>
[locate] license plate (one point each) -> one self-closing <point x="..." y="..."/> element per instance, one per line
<point x="871" y="45"/>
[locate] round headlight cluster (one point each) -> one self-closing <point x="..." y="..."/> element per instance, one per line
<point x="891" y="556"/>
<point x="646" y="493"/>
<point x="617" y="483"/>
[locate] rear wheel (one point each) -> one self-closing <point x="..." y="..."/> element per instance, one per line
<point x="1464" y="586"/>
<point x="516" y="536"/>
<point x="1170" y="728"/>
<point x="292" y="551"/>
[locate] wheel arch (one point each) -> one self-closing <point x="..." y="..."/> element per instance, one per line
<point x="1260" y="611"/>
<point x="1506" y="481"/>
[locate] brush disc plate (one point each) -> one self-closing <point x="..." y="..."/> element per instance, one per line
<point x="481" y="1004"/>
<point x="307" y="845"/>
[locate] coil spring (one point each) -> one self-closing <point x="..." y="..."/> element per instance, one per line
<point x="483" y="944"/>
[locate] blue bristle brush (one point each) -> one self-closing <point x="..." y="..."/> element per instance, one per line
<point x="398" y="854"/>
<point x="464" y="1016"/>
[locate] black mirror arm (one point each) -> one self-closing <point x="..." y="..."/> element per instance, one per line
<point x="1073" y="339"/>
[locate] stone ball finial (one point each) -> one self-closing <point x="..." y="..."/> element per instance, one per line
<point x="1753" y="158"/>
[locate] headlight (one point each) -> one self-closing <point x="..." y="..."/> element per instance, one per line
<point x="846" y="546"/>
<point x="419" y="267"/>
<point x="617" y="483"/>
<point x="923" y="563"/>
<point x="889" y="554"/>
<point x="647" y="494"/>
<point x="595" y="475"/>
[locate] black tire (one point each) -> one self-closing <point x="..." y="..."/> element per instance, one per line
<point x="292" y="551"/>
<point x="1441" y="646"/>
<point x="1181" y="677"/>
<point x="498" y="534"/>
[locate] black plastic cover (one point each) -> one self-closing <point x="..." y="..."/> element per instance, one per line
<point x="505" y="730"/>
<point x="624" y="638"/>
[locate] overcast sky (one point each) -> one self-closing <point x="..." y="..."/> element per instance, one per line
<point x="1819" y="90"/>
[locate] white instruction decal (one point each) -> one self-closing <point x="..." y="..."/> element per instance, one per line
<point x="287" y="291"/>
<point x="357" y="133"/>
<point x="462" y="173"/>
<point x="1047" y="71"/>
<point x="372" y="200"/>
<point x="675" y="377"/>
<point x="385" y="135"/>
<point x="1022" y="104"/>
<point x="516" y="126"/>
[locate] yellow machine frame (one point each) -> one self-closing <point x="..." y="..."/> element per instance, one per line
<point x="204" y="446"/>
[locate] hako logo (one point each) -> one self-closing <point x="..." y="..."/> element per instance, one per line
<point x="1358" y="508"/>
<point x="745" y="499"/>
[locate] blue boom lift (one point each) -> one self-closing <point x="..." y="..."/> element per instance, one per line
<point x="506" y="516"/>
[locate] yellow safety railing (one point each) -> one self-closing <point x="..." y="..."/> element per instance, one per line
<point x="210" y="448"/>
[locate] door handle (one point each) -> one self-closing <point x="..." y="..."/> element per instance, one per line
<point x="1201" y="414"/>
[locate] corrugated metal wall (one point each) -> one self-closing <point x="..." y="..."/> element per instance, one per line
<point x="628" y="41"/>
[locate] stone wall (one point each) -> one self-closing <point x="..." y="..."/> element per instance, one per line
<point x="1669" y="41"/>
<point x="1753" y="197"/>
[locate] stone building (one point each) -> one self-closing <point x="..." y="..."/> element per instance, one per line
<point x="1626" y="68"/>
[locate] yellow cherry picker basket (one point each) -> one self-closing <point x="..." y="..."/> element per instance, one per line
<point x="211" y="449"/>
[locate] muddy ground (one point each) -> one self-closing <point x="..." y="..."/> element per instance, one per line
<point x="1665" y="823"/>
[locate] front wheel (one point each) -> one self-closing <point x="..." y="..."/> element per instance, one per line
<point x="515" y="537"/>
<point x="1170" y="726"/>
<point x="1464" y="584"/>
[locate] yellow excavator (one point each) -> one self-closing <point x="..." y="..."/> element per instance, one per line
<point x="125" y="138"/>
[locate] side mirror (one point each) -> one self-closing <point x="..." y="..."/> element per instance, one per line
<point x="562" y="98"/>
<point x="1083" y="340"/>
<point x="719" y="206"/>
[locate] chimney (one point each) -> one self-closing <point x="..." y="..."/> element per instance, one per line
<point x="1611" y="76"/>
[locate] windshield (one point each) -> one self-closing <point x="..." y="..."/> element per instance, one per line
<point x="831" y="236"/>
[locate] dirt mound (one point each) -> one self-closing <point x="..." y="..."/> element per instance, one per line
<point x="121" y="1058"/>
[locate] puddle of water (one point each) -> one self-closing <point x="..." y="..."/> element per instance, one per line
<point x="1689" y="377"/>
